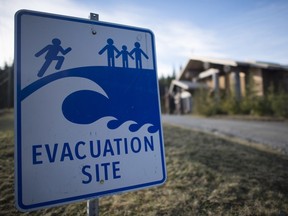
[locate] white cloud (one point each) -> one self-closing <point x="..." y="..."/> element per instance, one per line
<point x="177" y="41"/>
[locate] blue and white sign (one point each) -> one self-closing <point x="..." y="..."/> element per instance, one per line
<point x="88" y="120"/>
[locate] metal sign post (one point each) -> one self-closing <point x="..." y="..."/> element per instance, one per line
<point x="93" y="205"/>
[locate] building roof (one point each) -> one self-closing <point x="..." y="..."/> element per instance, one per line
<point x="204" y="63"/>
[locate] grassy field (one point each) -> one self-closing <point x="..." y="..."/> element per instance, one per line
<point x="207" y="175"/>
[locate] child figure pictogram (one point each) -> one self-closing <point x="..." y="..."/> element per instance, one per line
<point x="52" y="55"/>
<point x="138" y="54"/>
<point x="125" y="55"/>
<point x="110" y="49"/>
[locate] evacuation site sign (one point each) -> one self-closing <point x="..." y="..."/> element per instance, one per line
<point x="88" y="120"/>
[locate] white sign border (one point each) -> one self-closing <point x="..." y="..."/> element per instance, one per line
<point x="17" y="112"/>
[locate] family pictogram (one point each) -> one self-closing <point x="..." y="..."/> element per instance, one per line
<point x="136" y="51"/>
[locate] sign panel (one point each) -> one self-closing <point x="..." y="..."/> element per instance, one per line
<point x="87" y="110"/>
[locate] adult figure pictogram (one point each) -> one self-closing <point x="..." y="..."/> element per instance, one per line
<point x="52" y="55"/>
<point x="138" y="55"/>
<point x="110" y="49"/>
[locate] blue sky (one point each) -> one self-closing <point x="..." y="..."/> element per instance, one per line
<point x="230" y="29"/>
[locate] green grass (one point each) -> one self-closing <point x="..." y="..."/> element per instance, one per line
<point x="207" y="175"/>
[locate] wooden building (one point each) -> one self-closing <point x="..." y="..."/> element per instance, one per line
<point x="225" y="78"/>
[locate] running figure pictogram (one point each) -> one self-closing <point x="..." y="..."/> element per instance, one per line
<point x="52" y="55"/>
<point x="138" y="52"/>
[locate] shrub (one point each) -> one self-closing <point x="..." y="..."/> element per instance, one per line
<point x="270" y="105"/>
<point x="261" y="106"/>
<point x="279" y="104"/>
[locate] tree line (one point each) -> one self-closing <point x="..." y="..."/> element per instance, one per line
<point x="7" y="87"/>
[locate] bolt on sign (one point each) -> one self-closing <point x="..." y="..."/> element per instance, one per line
<point x="88" y="120"/>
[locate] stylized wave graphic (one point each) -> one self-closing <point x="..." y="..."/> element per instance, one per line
<point x="125" y="94"/>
